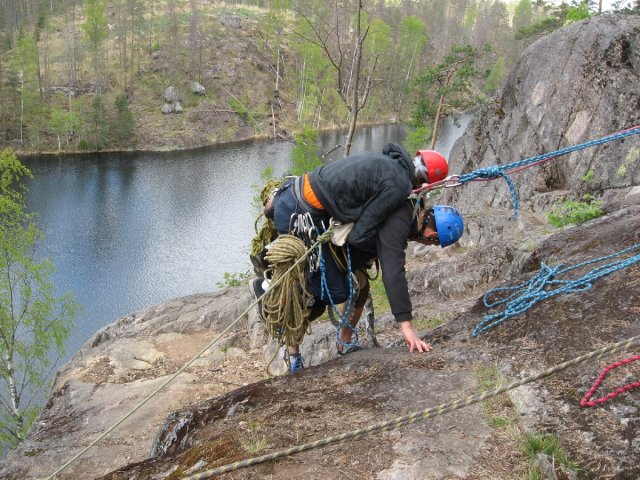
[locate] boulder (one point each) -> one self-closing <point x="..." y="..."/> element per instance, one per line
<point x="171" y="94"/>
<point x="197" y="88"/>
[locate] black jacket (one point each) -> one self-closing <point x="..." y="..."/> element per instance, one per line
<point x="364" y="189"/>
<point x="391" y="242"/>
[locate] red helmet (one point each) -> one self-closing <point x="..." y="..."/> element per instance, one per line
<point x="431" y="166"/>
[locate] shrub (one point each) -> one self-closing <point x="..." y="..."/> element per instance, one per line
<point x="575" y="212"/>
<point x="234" y="279"/>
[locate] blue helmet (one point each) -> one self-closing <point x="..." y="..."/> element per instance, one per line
<point x="449" y="224"/>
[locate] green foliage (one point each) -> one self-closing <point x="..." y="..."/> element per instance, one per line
<point x="495" y="76"/>
<point x="123" y="123"/>
<point x="241" y="109"/>
<point x="98" y="128"/>
<point x="540" y="27"/>
<point x="448" y="84"/>
<point x="304" y="156"/>
<point x="523" y="14"/>
<point x="588" y="177"/>
<point x="234" y="279"/>
<point x="578" y="12"/>
<point x="548" y="444"/>
<point x="575" y="212"/>
<point x="34" y="323"/>
<point x="95" y="26"/>
<point x="63" y="124"/>
<point x="417" y="139"/>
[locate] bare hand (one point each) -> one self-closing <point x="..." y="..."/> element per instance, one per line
<point x="411" y="337"/>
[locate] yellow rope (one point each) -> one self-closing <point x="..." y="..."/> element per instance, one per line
<point x="284" y="306"/>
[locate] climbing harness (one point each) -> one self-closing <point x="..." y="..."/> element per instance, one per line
<point x="587" y="402"/>
<point x="503" y="171"/>
<point x="532" y="291"/>
<point x="304" y="228"/>
<point x="420" y="415"/>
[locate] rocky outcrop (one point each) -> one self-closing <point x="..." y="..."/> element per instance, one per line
<point x="579" y="83"/>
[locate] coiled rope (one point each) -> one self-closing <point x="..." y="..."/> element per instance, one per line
<point x="587" y="402"/>
<point x="284" y="306"/>
<point x="532" y="291"/>
<point x="325" y="237"/>
<point x="503" y="171"/>
<point x="420" y="415"/>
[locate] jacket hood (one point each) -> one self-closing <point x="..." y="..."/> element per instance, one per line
<point x="398" y="152"/>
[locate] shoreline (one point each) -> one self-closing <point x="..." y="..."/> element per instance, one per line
<point x="69" y="153"/>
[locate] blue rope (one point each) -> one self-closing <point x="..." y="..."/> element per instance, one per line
<point x="344" y="318"/>
<point x="497" y="171"/>
<point x="528" y="293"/>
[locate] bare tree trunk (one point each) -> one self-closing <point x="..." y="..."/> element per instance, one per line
<point x="436" y="121"/>
<point x="355" y="99"/>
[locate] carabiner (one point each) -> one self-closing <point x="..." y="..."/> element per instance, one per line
<point x="452" y="181"/>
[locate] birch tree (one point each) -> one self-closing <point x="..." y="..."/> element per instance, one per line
<point x="34" y="322"/>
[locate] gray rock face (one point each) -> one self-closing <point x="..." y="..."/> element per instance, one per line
<point x="577" y="84"/>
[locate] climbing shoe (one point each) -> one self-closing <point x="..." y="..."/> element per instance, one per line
<point x="255" y="286"/>
<point x="348" y="348"/>
<point x="295" y="363"/>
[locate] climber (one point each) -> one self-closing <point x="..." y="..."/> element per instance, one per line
<point x="437" y="225"/>
<point x="370" y="190"/>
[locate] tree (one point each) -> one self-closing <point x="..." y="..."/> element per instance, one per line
<point x="123" y="122"/>
<point x="341" y="35"/>
<point x="447" y="88"/>
<point x="304" y="156"/>
<point x="98" y="128"/>
<point x="34" y="323"/>
<point x="96" y="31"/>
<point x="63" y="124"/>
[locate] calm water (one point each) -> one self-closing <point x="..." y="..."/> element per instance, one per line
<point x="130" y="230"/>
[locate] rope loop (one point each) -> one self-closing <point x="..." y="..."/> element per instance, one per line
<point x="587" y="402"/>
<point x="528" y="293"/>
<point x="344" y="317"/>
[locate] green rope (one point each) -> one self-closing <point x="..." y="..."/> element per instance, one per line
<point x="267" y="232"/>
<point x="420" y="415"/>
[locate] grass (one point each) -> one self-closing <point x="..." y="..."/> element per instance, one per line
<point x="254" y="445"/>
<point x="379" y="296"/>
<point x="575" y="212"/>
<point x="427" y="323"/>
<point x="549" y="444"/>
<point x="502" y="415"/>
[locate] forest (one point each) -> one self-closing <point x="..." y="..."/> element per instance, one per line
<point x="91" y="75"/>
